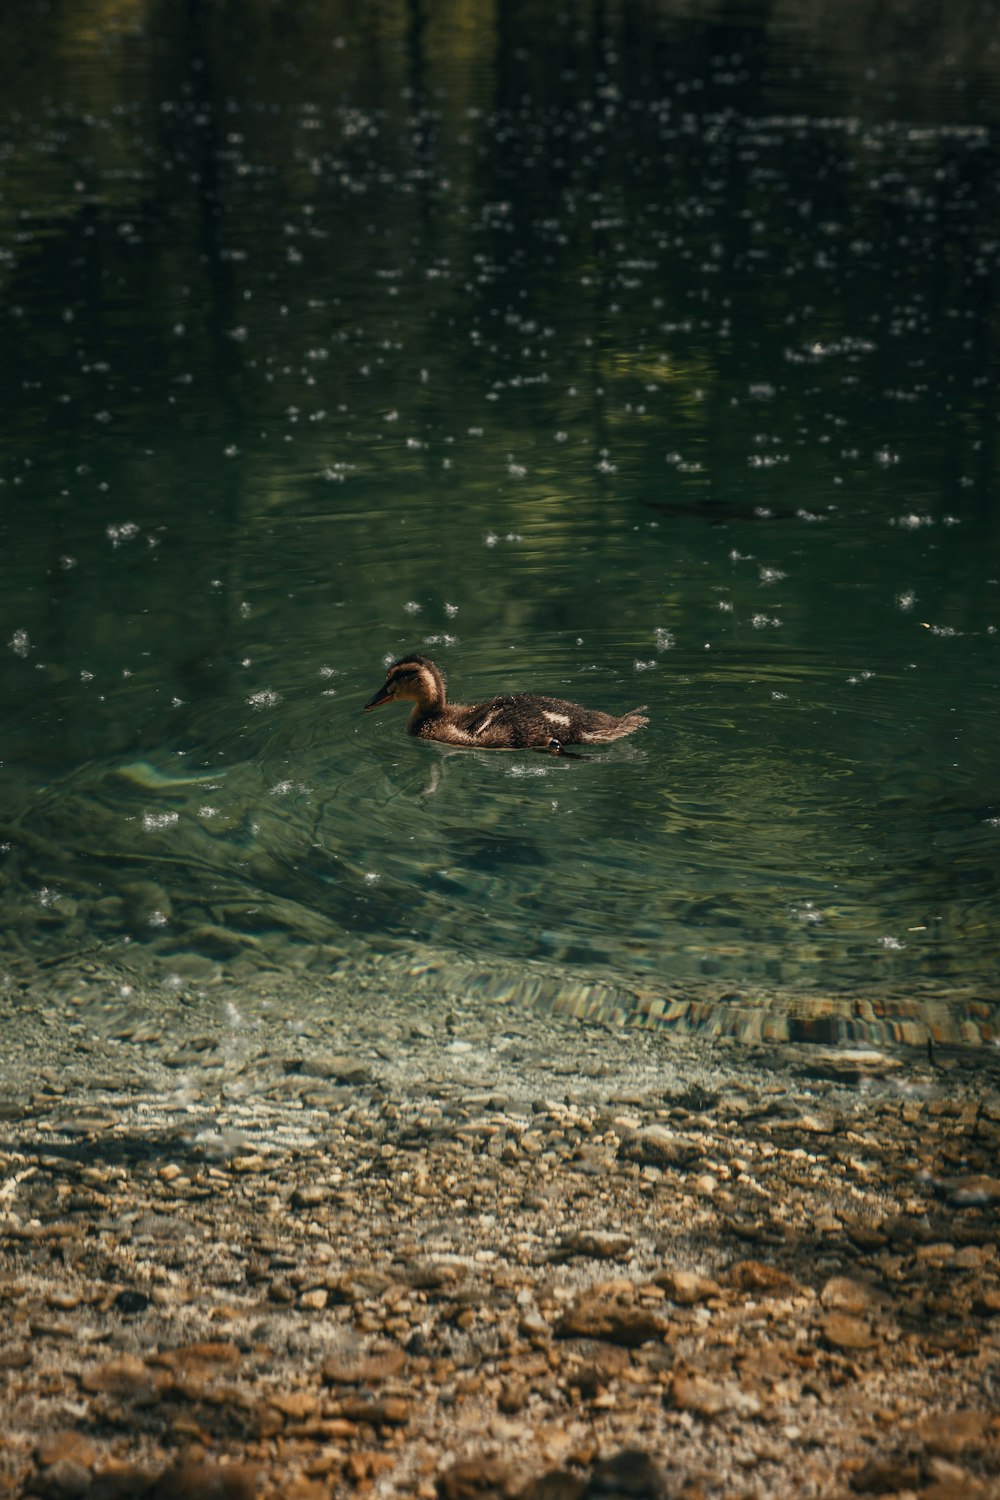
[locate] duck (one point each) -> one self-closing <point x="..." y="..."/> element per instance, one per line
<point x="511" y="721"/>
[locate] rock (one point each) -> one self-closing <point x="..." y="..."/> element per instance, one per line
<point x="758" y="1277"/>
<point x="478" y="1479"/>
<point x="63" y="1480"/>
<point x="557" y="1484"/>
<point x="842" y="1331"/>
<point x="311" y="1195"/>
<point x="687" y="1287"/>
<point x="656" y="1146"/>
<point x="710" y="1398"/>
<point x="391" y="1411"/>
<point x="363" y="1369"/>
<point x="885" y="1476"/>
<point x="629" y="1475"/>
<point x="128" y="1378"/>
<point x="601" y="1316"/>
<point x="598" y="1244"/>
<point x="196" y="1481"/>
<point x="843" y="1294"/>
<point x="59" y="1446"/>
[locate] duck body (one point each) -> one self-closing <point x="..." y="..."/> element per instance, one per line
<point x="512" y="721"/>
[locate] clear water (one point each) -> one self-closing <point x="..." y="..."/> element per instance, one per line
<point x="640" y="355"/>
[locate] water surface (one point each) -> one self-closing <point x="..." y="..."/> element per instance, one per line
<point x="641" y="354"/>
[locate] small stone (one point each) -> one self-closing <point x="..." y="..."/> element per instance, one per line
<point x="598" y="1244"/>
<point x="63" y="1480"/>
<point x="597" y="1316"/>
<point x="656" y="1146"/>
<point x="687" y="1287"/>
<point x="629" y="1475"/>
<point x="844" y="1294"/>
<point x="311" y="1195"/>
<point x="131" y="1302"/>
<point x="59" y="1446"/>
<point x="315" y="1299"/>
<point x="195" y="1481"/>
<point x="126" y="1377"/>
<point x="842" y="1331"/>
<point x="885" y="1476"/>
<point x="758" y="1277"/>
<point x="478" y="1479"/>
<point x="696" y="1393"/>
<point x="363" y="1369"/>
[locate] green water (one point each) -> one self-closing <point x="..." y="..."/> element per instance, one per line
<point x="631" y="353"/>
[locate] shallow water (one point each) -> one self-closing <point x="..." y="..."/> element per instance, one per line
<point x="641" y="356"/>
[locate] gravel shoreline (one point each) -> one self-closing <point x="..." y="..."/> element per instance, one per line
<point x="348" y="1241"/>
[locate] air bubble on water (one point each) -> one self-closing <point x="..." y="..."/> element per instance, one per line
<point x="779" y="697"/>
<point x="265" y="698"/>
<point x="863" y="676"/>
<point x="764" y="622"/>
<point x="643" y="666"/>
<point x="231" y="450"/>
<point x="451" y="610"/>
<point x="20" y="643"/>
<point x="152" y="822"/>
<point x="372" y="878"/>
<point x="770" y="575"/>
<point x="67" y="562"/>
<point x="906" y="600"/>
<point x="245" y="610"/>
<point x="664" y="638"/>
<point x="911" y="522"/>
<point x="126" y="531"/>
<point x="892" y="943"/>
<point x="441" y="640"/>
<point x="412" y="607"/>
<point x="282" y="788"/>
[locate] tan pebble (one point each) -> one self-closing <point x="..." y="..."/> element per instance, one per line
<point x="603" y="1316"/>
<point x="197" y="1481"/>
<point x="687" y="1287"/>
<point x="842" y="1331"/>
<point x="478" y="1477"/>
<point x="844" y="1294"/>
<point x="63" y="1480"/>
<point x="948" y="1433"/>
<point x="63" y="1301"/>
<point x="66" y="1445"/>
<point x="126" y="1377"/>
<point x="170" y="1172"/>
<point x="363" y="1369"/>
<point x="986" y="1301"/>
<point x="392" y="1411"/>
<point x="295" y="1404"/>
<point x="246" y="1164"/>
<point x="315" y="1300"/>
<point x="758" y="1277"/>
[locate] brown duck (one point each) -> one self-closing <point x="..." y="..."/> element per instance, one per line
<point x="515" y="721"/>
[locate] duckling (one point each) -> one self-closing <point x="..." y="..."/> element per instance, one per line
<point x="515" y="721"/>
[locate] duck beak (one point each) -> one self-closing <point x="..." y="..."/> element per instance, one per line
<point x="384" y="695"/>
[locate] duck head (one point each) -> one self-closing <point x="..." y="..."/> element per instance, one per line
<point x="413" y="678"/>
